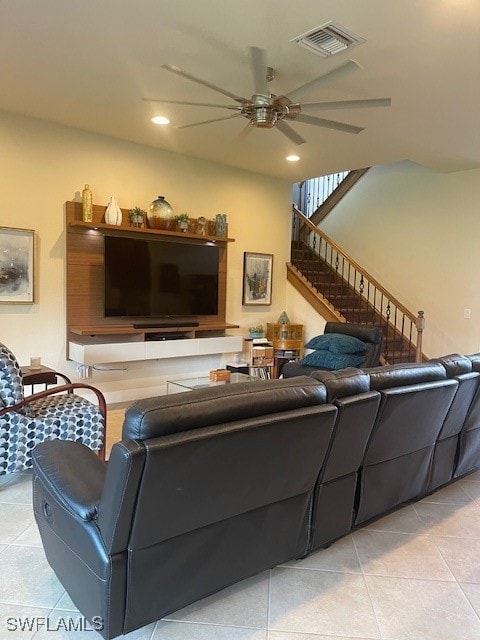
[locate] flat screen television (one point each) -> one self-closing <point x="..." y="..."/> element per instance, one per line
<point x="152" y="278"/>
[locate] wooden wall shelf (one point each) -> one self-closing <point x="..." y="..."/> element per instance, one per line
<point x="87" y="326"/>
<point x="75" y="219"/>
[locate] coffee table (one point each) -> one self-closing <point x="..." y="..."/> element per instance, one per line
<point x="187" y="384"/>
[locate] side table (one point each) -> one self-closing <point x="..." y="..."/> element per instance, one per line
<point x="287" y="340"/>
<point x="42" y="375"/>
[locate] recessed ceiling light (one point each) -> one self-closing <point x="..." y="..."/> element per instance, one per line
<point x="293" y="158"/>
<point x="160" y="120"/>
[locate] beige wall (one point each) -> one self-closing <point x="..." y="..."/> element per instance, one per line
<point x="43" y="165"/>
<point x="417" y="232"/>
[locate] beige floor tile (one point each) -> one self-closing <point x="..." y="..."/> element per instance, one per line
<point x="27" y="578"/>
<point x="451" y="494"/>
<point x="15" y="519"/>
<point x="166" y="630"/>
<point x="244" y="604"/>
<point x="403" y="555"/>
<point x="66" y="603"/>
<point x="403" y="520"/>
<point x="18" y="490"/>
<point x="472" y="591"/>
<point x="321" y="602"/>
<point x="457" y="521"/>
<point x="68" y="625"/>
<point x="472" y="477"/>
<point x="29" y="538"/>
<point x="19" y="622"/>
<point x="285" y="635"/>
<point x="462" y="557"/>
<point x="340" y="556"/>
<point x="422" y="610"/>
<point x="472" y="489"/>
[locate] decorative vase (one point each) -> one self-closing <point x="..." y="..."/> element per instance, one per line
<point x="113" y="213"/>
<point x="160" y="215"/>
<point x="221" y="225"/>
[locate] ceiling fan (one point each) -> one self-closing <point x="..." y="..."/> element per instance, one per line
<point x="266" y="110"/>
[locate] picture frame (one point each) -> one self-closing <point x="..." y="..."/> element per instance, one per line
<point x="17" y="263"/>
<point x="257" y="278"/>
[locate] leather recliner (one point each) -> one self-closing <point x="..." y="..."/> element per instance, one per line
<point x="415" y="399"/>
<point x="333" y="512"/>
<point x="372" y="336"/>
<point x="458" y="368"/>
<point x="206" y="488"/>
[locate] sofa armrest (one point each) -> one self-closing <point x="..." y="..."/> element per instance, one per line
<point x="73" y="473"/>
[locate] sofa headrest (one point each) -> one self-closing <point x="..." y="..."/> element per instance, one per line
<point x="363" y="332"/>
<point x="455" y="364"/>
<point x="475" y="360"/>
<point x="342" y="383"/>
<point x="399" y="375"/>
<point x="164" y="415"/>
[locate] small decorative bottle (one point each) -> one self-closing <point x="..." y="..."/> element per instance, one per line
<point x="113" y="213"/>
<point x="221" y="225"/>
<point x="87" y="209"/>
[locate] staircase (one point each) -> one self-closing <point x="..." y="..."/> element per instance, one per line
<point x="340" y="290"/>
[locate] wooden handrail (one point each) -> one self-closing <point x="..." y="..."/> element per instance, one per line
<point x="304" y="220"/>
<point x="357" y="296"/>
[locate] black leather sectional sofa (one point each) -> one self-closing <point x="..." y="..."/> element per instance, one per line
<point x="210" y="486"/>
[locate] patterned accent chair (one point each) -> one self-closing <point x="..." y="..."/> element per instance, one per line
<point x="56" y="413"/>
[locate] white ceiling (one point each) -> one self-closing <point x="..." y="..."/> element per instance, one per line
<point x="88" y="63"/>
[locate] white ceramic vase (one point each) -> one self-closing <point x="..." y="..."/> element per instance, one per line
<point x="113" y="214"/>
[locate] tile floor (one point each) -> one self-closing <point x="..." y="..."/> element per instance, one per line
<point x="412" y="575"/>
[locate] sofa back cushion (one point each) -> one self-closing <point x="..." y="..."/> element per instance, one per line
<point x="397" y="375"/>
<point x="455" y="364"/>
<point x="163" y="415"/>
<point x="346" y="382"/>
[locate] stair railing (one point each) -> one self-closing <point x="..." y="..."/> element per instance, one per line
<point x="310" y="194"/>
<point x="347" y="277"/>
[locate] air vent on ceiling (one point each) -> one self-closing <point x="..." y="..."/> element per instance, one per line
<point x="328" y="39"/>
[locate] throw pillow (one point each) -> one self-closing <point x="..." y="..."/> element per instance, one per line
<point x="332" y="361"/>
<point x="337" y="343"/>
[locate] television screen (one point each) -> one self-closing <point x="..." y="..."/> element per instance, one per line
<point x="150" y="278"/>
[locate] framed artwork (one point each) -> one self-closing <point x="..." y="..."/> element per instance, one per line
<point x="17" y="253"/>
<point x="257" y="278"/>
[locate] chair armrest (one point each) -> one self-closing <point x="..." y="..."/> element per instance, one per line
<point x="73" y="473"/>
<point x="102" y="404"/>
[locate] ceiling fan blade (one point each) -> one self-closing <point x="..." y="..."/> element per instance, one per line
<point x="245" y="131"/>
<point x="194" y="104"/>
<point x="258" y="60"/>
<point x="350" y="104"/>
<point x="196" y="124"/>
<point x="334" y="74"/>
<point x="287" y="130"/>
<point x="329" y="124"/>
<point x="188" y="76"/>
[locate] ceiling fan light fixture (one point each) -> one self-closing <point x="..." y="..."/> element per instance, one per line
<point x="162" y="120"/>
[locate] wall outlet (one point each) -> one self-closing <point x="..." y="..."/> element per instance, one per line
<point x="467" y="314"/>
